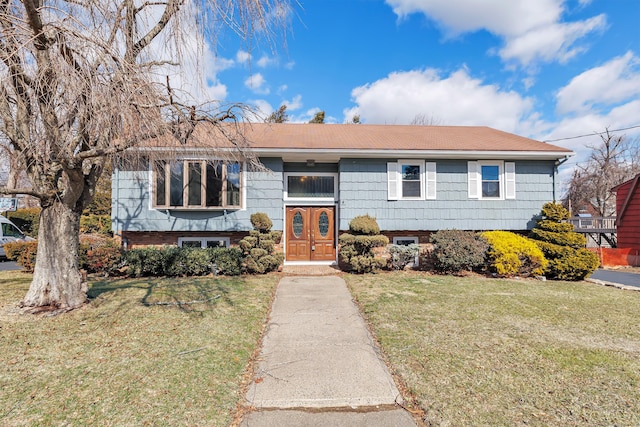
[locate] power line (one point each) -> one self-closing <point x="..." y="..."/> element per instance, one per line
<point x="592" y="134"/>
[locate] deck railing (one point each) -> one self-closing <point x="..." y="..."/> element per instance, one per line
<point x="594" y="223"/>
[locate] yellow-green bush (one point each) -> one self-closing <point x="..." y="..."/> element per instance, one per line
<point x="513" y="255"/>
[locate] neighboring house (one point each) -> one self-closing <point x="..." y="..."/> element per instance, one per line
<point x="413" y="179"/>
<point x="628" y="213"/>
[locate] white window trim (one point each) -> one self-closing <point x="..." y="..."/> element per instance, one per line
<point x="428" y="179"/>
<point x="203" y="240"/>
<point x="311" y="199"/>
<point x="506" y="176"/>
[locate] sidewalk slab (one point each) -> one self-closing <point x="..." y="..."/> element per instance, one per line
<point x="317" y="351"/>
<point x="286" y="418"/>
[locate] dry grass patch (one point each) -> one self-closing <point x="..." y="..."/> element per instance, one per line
<point x="125" y="360"/>
<point x="476" y="351"/>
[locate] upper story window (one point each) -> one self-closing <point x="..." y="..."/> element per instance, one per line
<point x="411" y="180"/>
<point x="492" y="180"/>
<point x="197" y="184"/>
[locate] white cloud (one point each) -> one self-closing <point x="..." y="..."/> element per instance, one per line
<point x="257" y="83"/>
<point x="294" y="104"/>
<point x="616" y="81"/>
<point x="266" y="61"/>
<point x="531" y="30"/>
<point x="243" y="57"/>
<point x="457" y="99"/>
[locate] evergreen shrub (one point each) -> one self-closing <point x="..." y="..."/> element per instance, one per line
<point x="357" y="249"/>
<point x="510" y="254"/>
<point x="402" y="256"/>
<point x="258" y="247"/>
<point x="458" y="250"/>
<point x="563" y="247"/>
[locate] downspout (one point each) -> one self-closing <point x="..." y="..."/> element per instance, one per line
<point x="557" y="164"/>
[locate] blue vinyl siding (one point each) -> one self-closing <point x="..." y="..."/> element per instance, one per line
<point x="363" y="190"/>
<point x="131" y="207"/>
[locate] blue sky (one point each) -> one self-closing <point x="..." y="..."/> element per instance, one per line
<point x="544" y="69"/>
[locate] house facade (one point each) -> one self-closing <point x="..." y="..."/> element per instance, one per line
<point x="628" y="213"/>
<point x="413" y="179"/>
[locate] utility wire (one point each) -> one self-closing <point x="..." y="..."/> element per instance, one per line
<point x="592" y="134"/>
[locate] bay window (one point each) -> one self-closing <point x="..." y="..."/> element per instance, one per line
<point x="197" y="184"/>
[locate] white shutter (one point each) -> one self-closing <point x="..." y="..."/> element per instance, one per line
<point x="510" y="180"/>
<point x="474" y="180"/>
<point x="431" y="180"/>
<point x="392" y="181"/>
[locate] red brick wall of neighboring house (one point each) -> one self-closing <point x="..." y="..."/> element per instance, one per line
<point x="628" y="221"/>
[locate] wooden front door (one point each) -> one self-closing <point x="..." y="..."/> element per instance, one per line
<point x="311" y="233"/>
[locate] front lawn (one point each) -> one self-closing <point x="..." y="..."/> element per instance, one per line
<point x="477" y="351"/>
<point x="134" y="355"/>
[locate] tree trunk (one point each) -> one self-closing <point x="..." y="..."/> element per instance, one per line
<point x="57" y="282"/>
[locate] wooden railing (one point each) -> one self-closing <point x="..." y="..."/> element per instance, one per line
<point x="594" y="223"/>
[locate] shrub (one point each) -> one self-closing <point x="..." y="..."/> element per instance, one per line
<point x="24" y="253"/>
<point x="357" y="249"/>
<point x="564" y="248"/>
<point x="100" y="224"/>
<point x="99" y="254"/>
<point x="364" y="225"/>
<point x="457" y="250"/>
<point x="402" y="255"/>
<point x="261" y="222"/>
<point x="172" y="261"/>
<point x="27" y="220"/>
<point x="258" y="247"/>
<point x="511" y="254"/>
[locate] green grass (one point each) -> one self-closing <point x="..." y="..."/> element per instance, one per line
<point x="476" y="351"/>
<point x="124" y="360"/>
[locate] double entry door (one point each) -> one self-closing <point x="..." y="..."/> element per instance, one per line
<point x="311" y="233"/>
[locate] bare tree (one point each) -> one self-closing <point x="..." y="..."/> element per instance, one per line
<point x="79" y="84"/>
<point x="612" y="162"/>
<point x="422" y="120"/>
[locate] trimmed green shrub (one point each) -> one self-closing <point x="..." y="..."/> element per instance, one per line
<point x="258" y="247"/>
<point x="364" y="225"/>
<point x="173" y="261"/>
<point x="457" y="250"/>
<point x="402" y="255"/>
<point x="27" y="220"/>
<point x="99" y="254"/>
<point x="261" y="222"/>
<point x="23" y="253"/>
<point x="357" y="249"/>
<point x="513" y="255"/>
<point x="564" y="248"/>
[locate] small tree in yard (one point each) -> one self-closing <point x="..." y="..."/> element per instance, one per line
<point x="79" y="83"/>
<point x="562" y="247"/>
<point x="357" y="246"/>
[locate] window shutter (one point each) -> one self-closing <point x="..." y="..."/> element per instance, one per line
<point x="474" y="180"/>
<point x="392" y="181"/>
<point x="431" y="180"/>
<point x="510" y="180"/>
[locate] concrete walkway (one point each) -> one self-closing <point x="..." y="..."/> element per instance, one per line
<point x="319" y="365"/>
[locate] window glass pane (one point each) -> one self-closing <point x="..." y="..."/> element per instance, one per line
<point x="233" y="184"/>
<point x="161" y="190"/>
<point x="411" y="189"/>
<point x="176" y="182"/>
<point x="191" y="244"/>
<point x="298" y="224"/>
<point x="216" y="244"/>
<point x="323" y="224"/>
<point x="194" y="189"/>
<point x="9" y="230"/>
<point x="310" y="186"/>
<point x="490" y="173"/>
<point x="411" y="181"/>
<point x="405" y="242"/>
<point x="214" y="185"/>
<point x="490" y="181"/>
